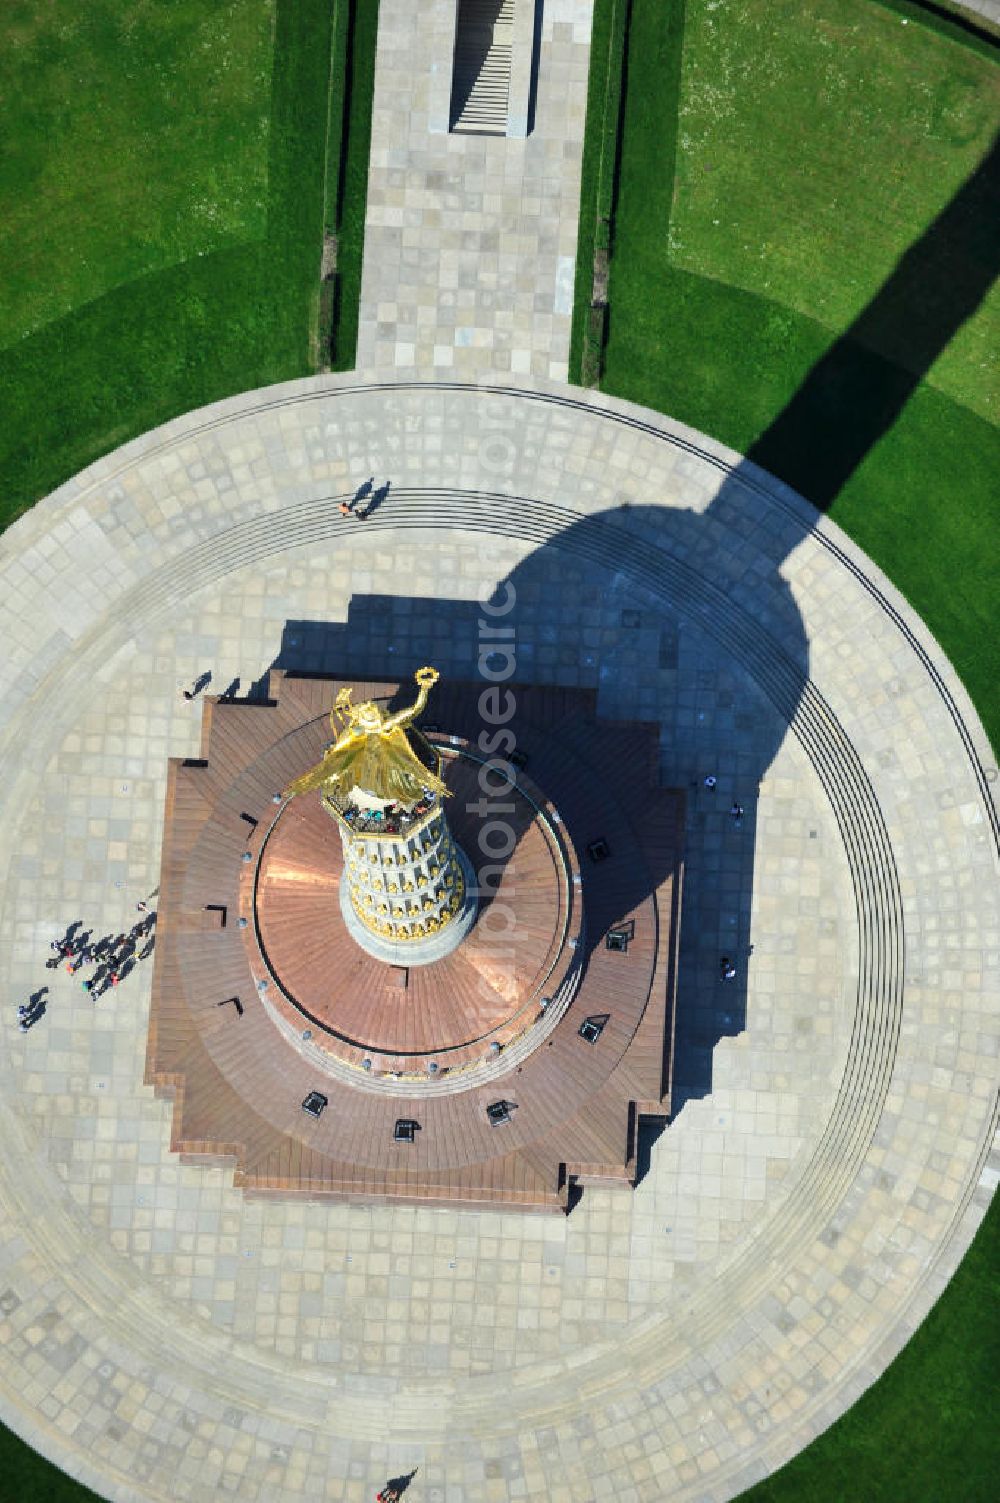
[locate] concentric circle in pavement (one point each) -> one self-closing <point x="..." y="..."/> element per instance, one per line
<point x="161" y="1336"/>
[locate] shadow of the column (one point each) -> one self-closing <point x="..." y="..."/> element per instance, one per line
<point x="597" y="606"/>
<point x="641" y="603"/>
<point x="856" y="391"/>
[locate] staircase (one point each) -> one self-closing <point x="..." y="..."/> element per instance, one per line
<point x="480" y="86"/>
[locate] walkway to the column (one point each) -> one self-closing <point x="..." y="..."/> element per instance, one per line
<point x="470" y="241"/>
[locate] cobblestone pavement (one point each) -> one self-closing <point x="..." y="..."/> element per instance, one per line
<point x="163" y="1338"/>
<point x="470" y="241"/>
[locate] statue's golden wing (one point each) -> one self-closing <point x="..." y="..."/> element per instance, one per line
<point x="314" y="778"/>
<point x="401" y="771"/>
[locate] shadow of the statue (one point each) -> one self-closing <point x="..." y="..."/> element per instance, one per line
<point x="651" y="608"/>
<point x="666" y="614"/>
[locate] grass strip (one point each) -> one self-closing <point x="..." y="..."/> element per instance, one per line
<point x="338" y="107"/>
<point x="336" y="118"/>
<point x="296" y="206"/>
<point x="352" y="197"/>
<point x="598" y="184"/>
<point x="822" y="139"/>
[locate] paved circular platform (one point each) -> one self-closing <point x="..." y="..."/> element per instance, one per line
<point x="162" y="1337"/>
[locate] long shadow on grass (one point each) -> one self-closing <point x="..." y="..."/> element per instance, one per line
<point x="855" y="393"/>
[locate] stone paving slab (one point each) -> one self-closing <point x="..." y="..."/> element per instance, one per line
<point x="161" y="1336"/>
<point x="470" y="241"/>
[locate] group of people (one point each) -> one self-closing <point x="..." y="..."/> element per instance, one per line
<point x="108" y="960"/>
<point x="364" y="501"/>
<point x="392" y="820"/>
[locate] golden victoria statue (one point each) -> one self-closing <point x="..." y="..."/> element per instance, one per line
<point x="372" y="751"/>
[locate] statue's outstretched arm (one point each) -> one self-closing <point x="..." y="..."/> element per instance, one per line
<point x="426" y="679"/>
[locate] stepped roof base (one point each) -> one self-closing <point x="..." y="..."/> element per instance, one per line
<point x="260" y="996"/>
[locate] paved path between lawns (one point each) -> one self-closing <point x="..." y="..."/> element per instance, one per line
<point x="988" y="8"/>
<point x="163" y="1338"/>
<point x="470" y="241"/>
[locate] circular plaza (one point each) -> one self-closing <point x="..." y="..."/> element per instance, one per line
<point x="167" y="1336"/>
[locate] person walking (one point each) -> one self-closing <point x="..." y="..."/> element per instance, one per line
<point x="30" y="1012"/>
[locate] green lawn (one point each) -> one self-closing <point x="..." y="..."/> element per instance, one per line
<point x="781" y="162"/>
<point x="143" y="130"/>
<point x="163" y="193"/>
<point x="711" y="334"/>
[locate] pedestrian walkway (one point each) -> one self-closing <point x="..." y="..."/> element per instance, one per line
<point x="470" y="239"/>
